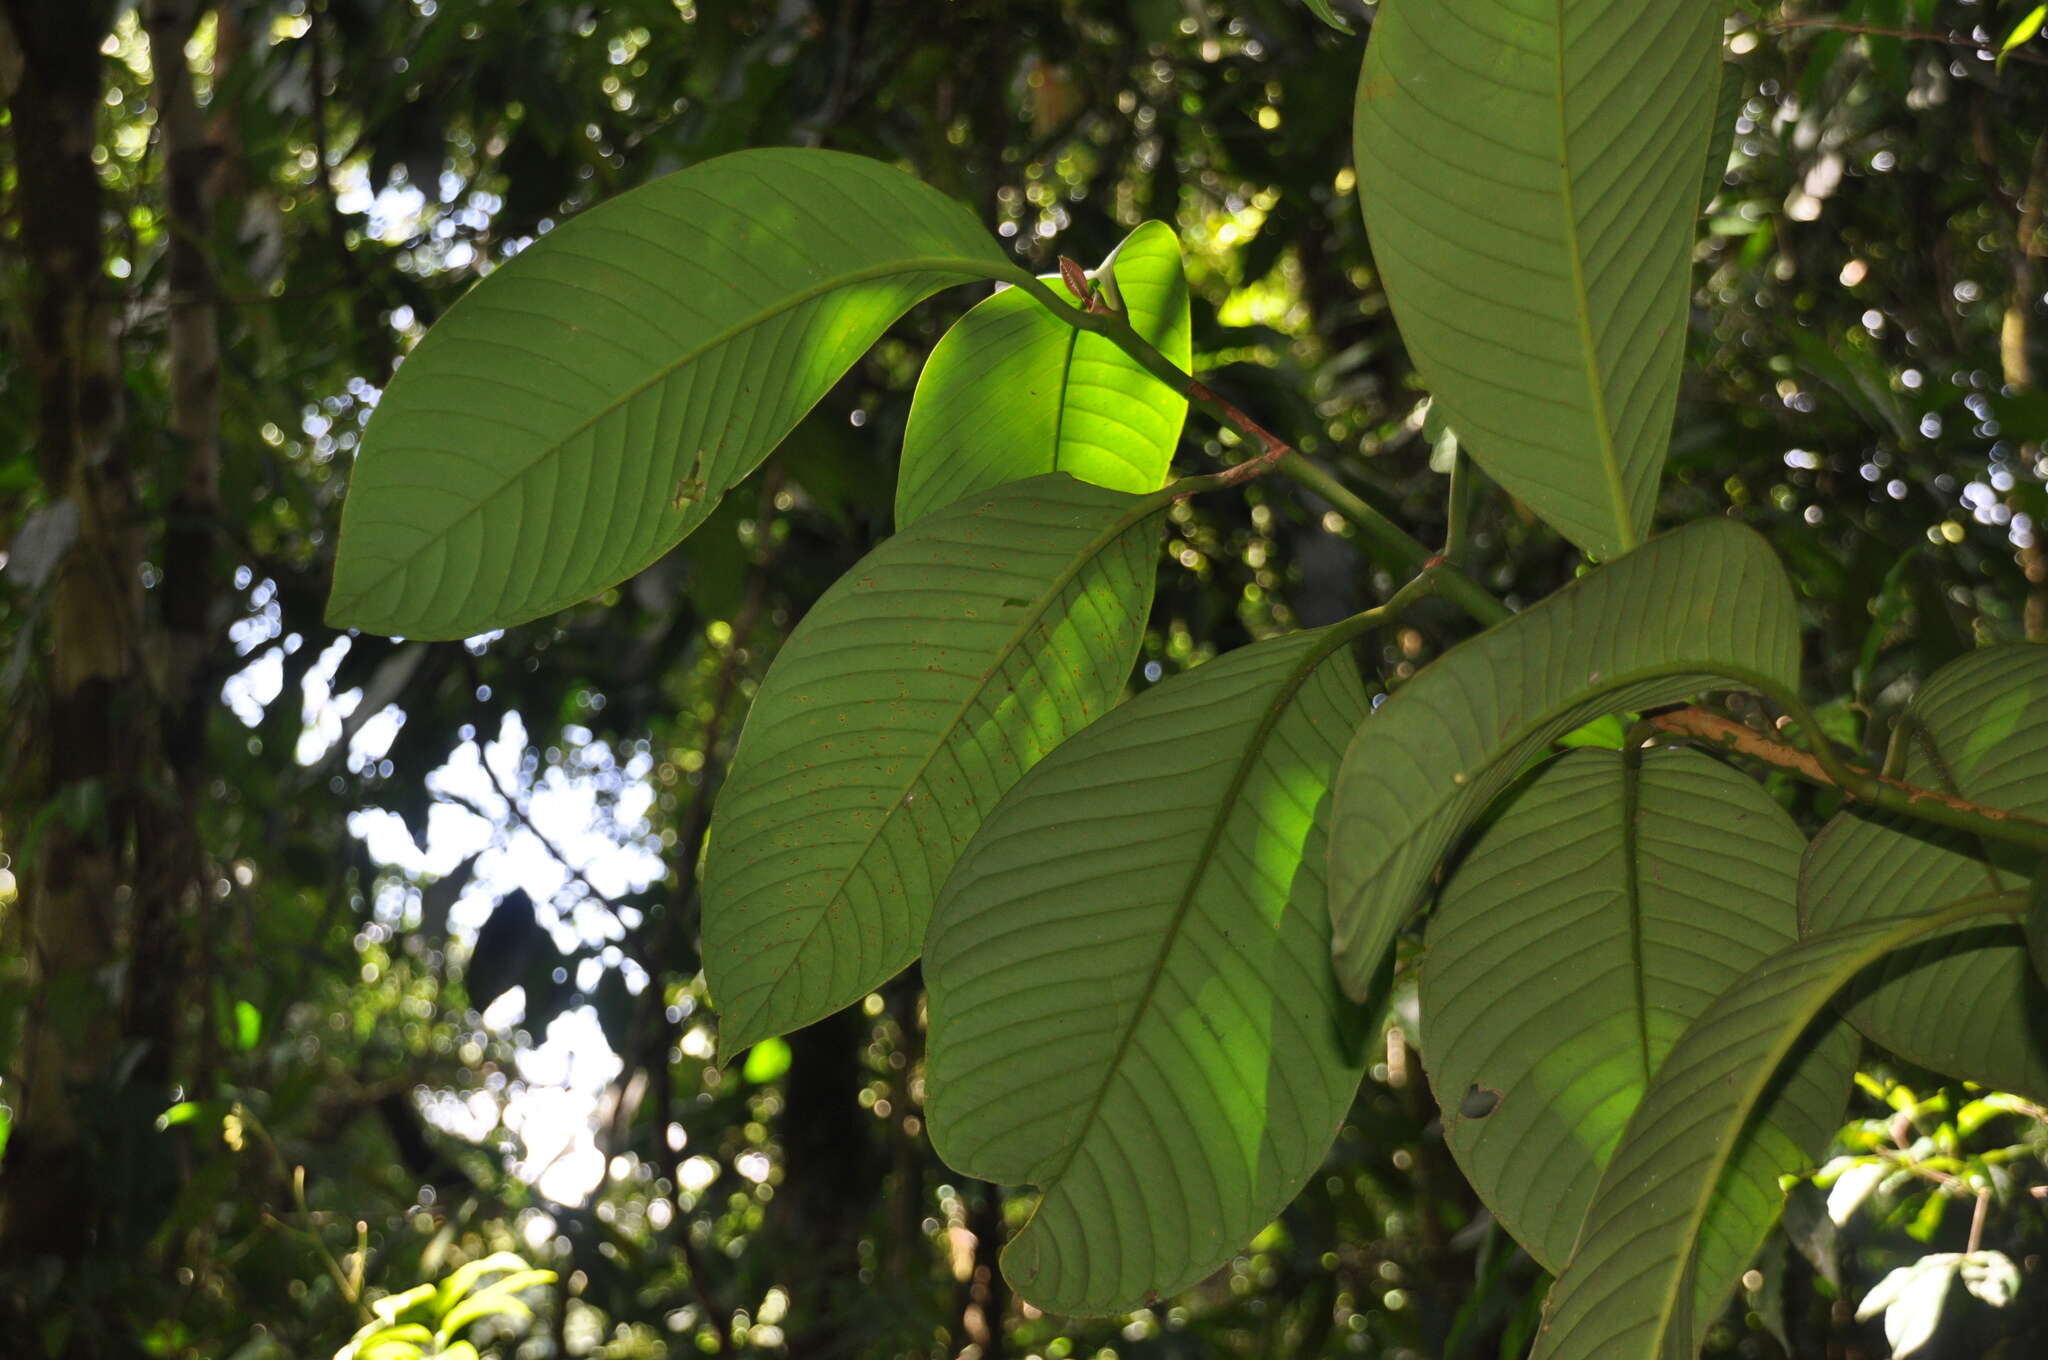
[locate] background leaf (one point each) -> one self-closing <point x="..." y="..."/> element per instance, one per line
<point x="1624" y="1294"/>
<point x="931" y="676"/>
<point x="1704" y="605"/>
<point x="1012" y="391"/>
<point x="1730" y="91"/>
<point x="1588" y="926"/>
<point x="1969" y="1005"/>
<point x="1131" y="999"/>
<point x="1531" y="198"/>
<point x="587" y="404"/>
<point x="1321" y="9"/>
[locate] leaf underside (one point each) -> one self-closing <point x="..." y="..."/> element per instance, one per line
<point x="917" y="690"/>
<point x="1529" y="172"/>
<point x="1012" y="391"/>
<point x="1969" y="1005"/>
<point x="1131" y="1000"/>
<point x="1581" y="934"/>
<point x="1624" y="1293"/>
<point x="588" y="403"/>
<point x="1703" y="606"/>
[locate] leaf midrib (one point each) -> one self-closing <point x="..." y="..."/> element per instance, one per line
<point x="1603" y="429"/>
<point x="1632" y="877"/>
<point x="969" y="269"/>
<point x="1123" y="524"/>
<point x="1283" y="699"/>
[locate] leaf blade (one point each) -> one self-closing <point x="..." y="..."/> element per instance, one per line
<point x="1704" y="604"/>
<point x="1620" y="1296"/>
<point x="1011" y="391"/>
<point x="585" y="406"/>
<point x="1531" y="203"/>
<point x="1674" y="882"/>
<point x="1211" y="1047"/>
<point x="1969" y="1005"/>
<point x="916" y="691"/>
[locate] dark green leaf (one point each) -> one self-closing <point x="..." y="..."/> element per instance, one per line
<point x="1131" y="1001"/>
<point x="1968" y="1005"/>
<point x="1624" y="1295"/>
<point x="1706" y="605"/>
<point x="589" y="403"/>
<point x="1583" y="931"/>
<point x="1532" y="201"/>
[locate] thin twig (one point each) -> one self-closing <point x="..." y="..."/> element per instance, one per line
<point x="525" y="819"/>
<point x="1862" y="786"/>
<point x="1977" y="1222"/>
<point x="1388" y="543"/>
<point x="1836" y="25"/>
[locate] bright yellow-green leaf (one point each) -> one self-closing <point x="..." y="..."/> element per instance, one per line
<point x="1012" y="391"/>
<point x="766" y="1061"/>
<point x="2022" y="32"/>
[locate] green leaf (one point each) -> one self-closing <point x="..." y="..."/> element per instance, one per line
<point x="1624" y="1294"/>
<point x="501" y="1299"/>
<point x="2037" y="925"/>
<point x="1131" y="1000"/>
<point x="248" y="1025"/>
<point x="589" y="402"/>
<point x="1969" y="1005"/>
<point x="1531" y="199"/>
<point x="1707" y="605"/>
<point x="1607" y="731"/>
<point x="1321" y="9"/>
<point x="1588" y="926"/>
<point x="415" y="1304"/>
<point x="2022" y="32"/>
<point x="457" y="1284"/>
<point x="910" y="698"/>
<point x="1012" y="391"/>
<point x="768" y="1061"/>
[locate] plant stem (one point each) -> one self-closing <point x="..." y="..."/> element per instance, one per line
<point x="1463" y="477"/>
<point x="1860" y="785"/>
<point x="1837" y="25"/>
<point x="1385" y="540"/>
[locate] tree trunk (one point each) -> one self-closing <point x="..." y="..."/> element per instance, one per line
<point x="100" y="806"/>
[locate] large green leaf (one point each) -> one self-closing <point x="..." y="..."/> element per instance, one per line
<point x="587" y="404"/>
<point x="1586" y="928"/>
<point x="1012" y="391"/>
<point x="911" y="697"/>
<point x="1530" y="175"/>
<point x="1969" y="1005"/>
<point x="1131" y="999"/>
<point x="1707" y="605"/>
<point x="1624" y="1295"/>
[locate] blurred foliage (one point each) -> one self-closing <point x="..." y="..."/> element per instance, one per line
<point x="1867" y="355"/>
